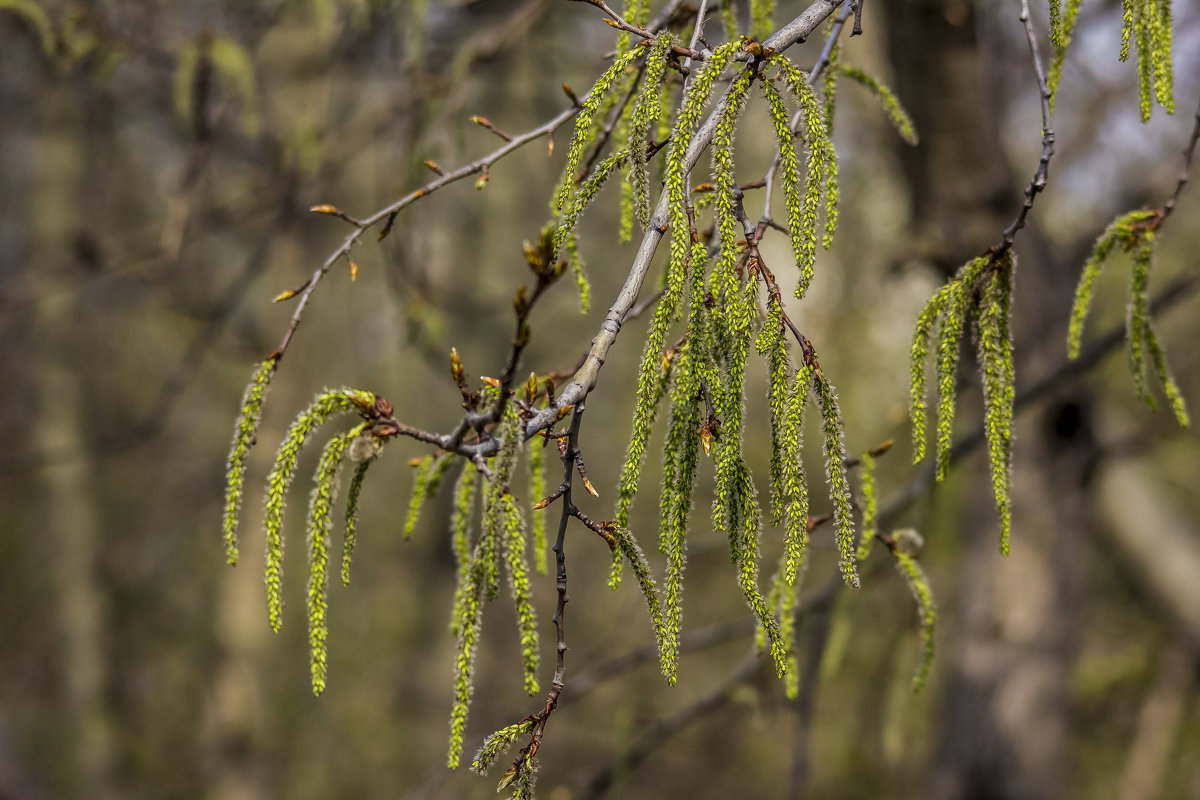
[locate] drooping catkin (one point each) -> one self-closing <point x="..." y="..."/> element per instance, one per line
<point x="280" y="479"/>
<point x="244" y="436"/>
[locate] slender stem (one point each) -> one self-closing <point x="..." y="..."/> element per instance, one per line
<point x="1038" y="182"/>
<point x="389" y="213"/>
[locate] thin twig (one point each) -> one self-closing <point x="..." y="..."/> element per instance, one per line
<point x="389" y="213"/>
<point x="1038" y="182"/>
<point x="1188" y="152"/>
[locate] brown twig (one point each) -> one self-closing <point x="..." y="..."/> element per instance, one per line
<point x="1038" y="182"/>
<point x="1188" y="151"/>
<point x="387" y="215"/>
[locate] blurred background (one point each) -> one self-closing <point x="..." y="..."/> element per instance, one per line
<point x="157" y="160"/>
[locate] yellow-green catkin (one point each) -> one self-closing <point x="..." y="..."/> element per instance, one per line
<point x="1062" y="28"/>
<point x="953" y="303"/>
<point x="1131" y="233"/>
<point x="1148" y="24"/>
<point x="771" y="343"/>
<point x="737" y="301"/>
<point x="499" y="741"/>
<point x="829" y="88"/>
<point x="835" y="473"/>
<point x="1122" y="232"/>
<point x="428" y="478"/>
<point x="1138" y="318"/>
<point x="537" y="490"/>
<point x="762" y="13"/>
<point x="1170" y="388"/>
<point x="729" y="19"/>
<point x="900" y="119"/>
<point x="920" y="349"/>
<point x="802" y="246"/>
<point x="821" y="170"/>
<point x="995" y="356"/>
<point x="352" y="495"/>
<point x="518" y="580"/>
<point x="646" y="111"/>
<point x="628" y="547"/>
<point x="567" y="233"/>
<point x="680" y="457"/>
<point x="280" y="480"/>
<point x="795" y="487"/>
<point x="747" y="564"/>
<point x="460" y="539"/>
<point x="950" y="333"/>
<point x="583" y="128"/>
<point x="244" y="434"/>
<point x="870" y="506"/>
<point x="918" y="585"/>
<point x="320" y="514"/>
<point x="649" y="385"/>
<point x="468" y="616"/>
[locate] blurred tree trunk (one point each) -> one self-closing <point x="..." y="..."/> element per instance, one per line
<point x="1010" y="649"/>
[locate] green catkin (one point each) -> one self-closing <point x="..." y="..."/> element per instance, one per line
<point x="1171" y="389"/>
<point x="628" y="547"/>
<point x="537" y="490"/>
<point x="870" y="507"/>
<point x="1062" y="28"/>
<point x="1131" y="233"/>
<point x="729" y="19"/>
<point x="891" y="104"/>
<point x="623" y="142"/>
<point x="1148" y="23"/>
<point x="567" y="229"/>
<point x="280" y="479"/>
<point x="583" y="130"/>
<point x="460" y="536"/>
<point x="1145" y="65"/>
<point x="243" y="439"/>
<point x="1164" y="78"/>
<point x="1138" y="317"/>
<point x="646" y="112"/>
<point x="731" y="411"/>
<point x="739" y="309"/>
<point x="918" y="585"/>
<point x="795" y="486"/>
<point x="835" y="473"/>
<point x="920" y="349"/>
<point x="684" y="421"/>
<point x="1126" y="27"/>
<point x="770" y="343"/>
<point x="762" y="14"/>
<point x="518" y="580"/>
<point x="829" y="89"/>
<point x="468" y="616"/>
<point x="648" y="385"/>
<point x="1119" y="232"/>
<point x="788" y="162"/>
<point x="787" y="635"/>
<point x="683" y="447"/>
<point x="579" y="271"/>
<point x="995" y="356"/>
<point x="320" y="512"/>
<point x="821" y="158"/>
<point x="508" y="431"/>
<point x="420" y="484"/>
<point x="499" y="741"/>
<point x="953" y="322"/>
<point x="751" y="531"/>
<point x="954" y="308"/>
<point x="352" y="495"/>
